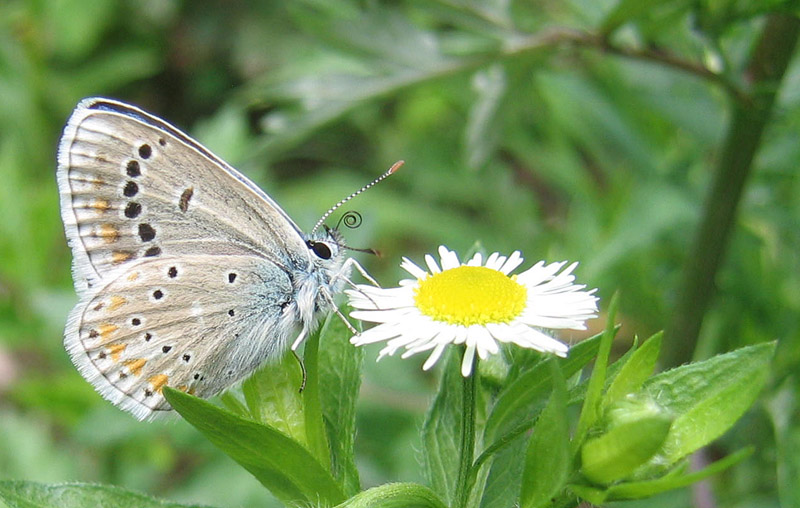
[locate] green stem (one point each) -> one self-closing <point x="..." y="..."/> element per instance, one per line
<point x="499" y="444"/>
<point x="767" y="66"/>
<point x="469" y="385"/>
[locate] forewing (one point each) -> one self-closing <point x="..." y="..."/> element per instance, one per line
<point x="197" y="324"/>
<point x="133" y="187"/>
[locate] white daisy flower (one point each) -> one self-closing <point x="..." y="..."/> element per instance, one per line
<point x="474" y="303"/>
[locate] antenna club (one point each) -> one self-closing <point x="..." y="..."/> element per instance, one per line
<point x="397" y="165"/>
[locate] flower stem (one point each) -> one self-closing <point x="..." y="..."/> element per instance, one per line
<point x="749" y="119"/>
<point x="469" y="384"/>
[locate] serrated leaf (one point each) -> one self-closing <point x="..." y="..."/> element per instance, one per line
<point x="635" y="371"/>
<point x="441" y="431"/>
<point x="395" y="495"/>
<point x="280" y="463"/>
<point x="708" y="397"/>
<point x="24" y="494"/>
<point x="547" y="460"/>
<point x="339" y="380"/>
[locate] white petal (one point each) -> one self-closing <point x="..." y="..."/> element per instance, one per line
<point x="378" y="333"/>
<point x="432" y="266"/>
<point x="538" y="273"/>
<point x="466" y="364"/>
<point x="495" y="261"/>
<point x="476" y="260"/>
<point x="384" y="316"/>
<point x="460" y="334"/>
<point x="534" y="339"/>
<point x="482" y="339"/>
<point x="449" y="258"/>
<point x="371" y="298"/>
<point x="492" y="259"/>
<point x="434" y="356"/>
<point x="413" y="269"/>
<point x="512" y="262"/>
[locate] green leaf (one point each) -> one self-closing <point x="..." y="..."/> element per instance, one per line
<point x="503" y="483"/>
<point x="631" y="10"/>
<point x="639" y="490"/>
<point x="280" y="463"/>
<point x="708" y="397"/>
<point x="617" y="453"/>
<point x="591" y="410"/>
<point x="339" y="380"/>
<point x="315" y="426"/>
<point x="272" y="395"/>
<point x="232" y="403"/>
<point x="441" y="432"/>
<point x="23" y="494"/>
<point x="395" y="495"/>
<point x="547" y="460"/>
<point x="635" y="371"/>
<point x="519" y="401"/>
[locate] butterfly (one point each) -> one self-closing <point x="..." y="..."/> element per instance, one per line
<point x="188" y="275"/>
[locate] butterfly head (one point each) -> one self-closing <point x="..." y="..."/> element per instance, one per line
<point x="326" y="245"/>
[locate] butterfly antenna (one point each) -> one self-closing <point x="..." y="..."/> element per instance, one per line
<point x="332" y="209"/>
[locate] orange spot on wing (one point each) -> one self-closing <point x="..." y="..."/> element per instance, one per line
<point x="106" y="329"/>
<point x="132" y="277"/>
<point x="158" y="381"/>
<point x="116" y="302"/>
<point x="135" y="365"/>
<point x="115" y="350"/>
<point x="120" y="256"/>
<point x="101" y="205"/>
<point x="183" y="388"/>
<point x="108" y="233"/>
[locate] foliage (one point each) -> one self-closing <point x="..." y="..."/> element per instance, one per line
<point x="633" y="448"/>
<point x="579" y="129"/>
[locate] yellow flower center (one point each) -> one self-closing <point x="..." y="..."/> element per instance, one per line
<point x="471" y="295"/>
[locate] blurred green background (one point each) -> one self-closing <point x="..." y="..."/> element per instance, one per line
<point x="516" y="135"/>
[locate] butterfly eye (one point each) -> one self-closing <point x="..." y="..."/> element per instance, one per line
<point x="320" y="249"/>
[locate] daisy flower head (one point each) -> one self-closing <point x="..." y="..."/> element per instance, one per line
<point x="477" y="303"/>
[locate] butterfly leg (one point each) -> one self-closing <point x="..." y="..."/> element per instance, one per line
<point x="327" y="295"/>
<point x="302" y="370"/>
<point x="351" y="262"/>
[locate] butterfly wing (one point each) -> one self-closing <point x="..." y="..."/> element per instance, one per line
<point x="182" y="265"/>
<point x="133" y="187"/>
<point x="196" y="324"/>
